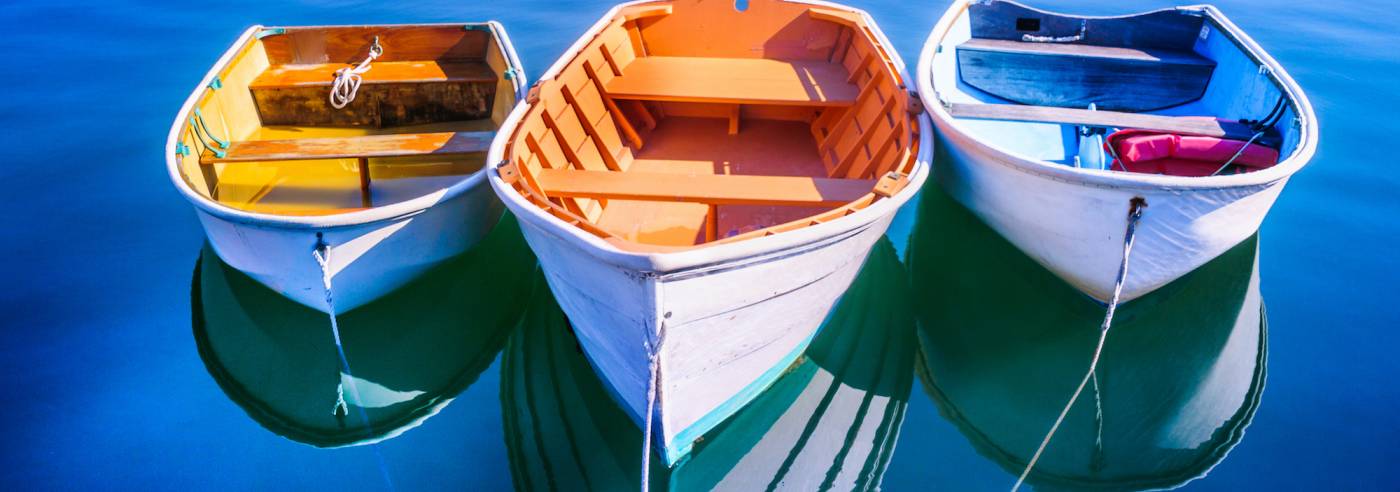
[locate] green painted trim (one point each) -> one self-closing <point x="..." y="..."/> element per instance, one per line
<point x="270" y="32"/>
<point x="672" y="453"/>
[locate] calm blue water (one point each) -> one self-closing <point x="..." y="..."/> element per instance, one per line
<point x="130" y="361"/>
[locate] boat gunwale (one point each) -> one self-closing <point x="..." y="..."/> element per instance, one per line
<point x="1293" y="94"/>
<point x="353" y="218"/>
<point x="655" y="260"/>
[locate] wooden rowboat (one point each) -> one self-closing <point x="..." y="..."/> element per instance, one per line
<point x="386" y="186"/>
<point x="1053" y="124"/>
<point x="701" y="184"/>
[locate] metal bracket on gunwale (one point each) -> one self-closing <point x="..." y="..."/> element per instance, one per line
<point x="478" y="27"/>
<point x="270" y="32"/>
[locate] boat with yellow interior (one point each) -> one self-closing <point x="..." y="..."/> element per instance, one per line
<point x="701" y="181"/>
<point x="345" y="156"/>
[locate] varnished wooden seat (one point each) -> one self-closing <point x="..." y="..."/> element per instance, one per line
<point x="734" y="81"/>
<point x="400" y="145"/>
<point x="398" y="72"/>
<point x="721" y="189"/>
<point x="392" y="93"/>
<point x="360" y="148"/>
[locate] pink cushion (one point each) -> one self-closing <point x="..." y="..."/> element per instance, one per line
<point x="1184" y="155"/>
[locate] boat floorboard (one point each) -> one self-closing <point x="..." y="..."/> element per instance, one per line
<point x="704" y="146"/>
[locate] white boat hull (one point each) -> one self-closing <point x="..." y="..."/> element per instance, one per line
<point x="1073" y="220"/>
<point x="371" y="252"/>
<point x="730" y="327"/>
<point x="729" y="318"/>
<point x="1077" y="231"/>
<point x="366" y="260"/>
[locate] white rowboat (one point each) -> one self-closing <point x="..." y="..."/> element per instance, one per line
<point x="1020" y="98"/>
<point x="711" y="201"/>
<point x="276" y="172"/>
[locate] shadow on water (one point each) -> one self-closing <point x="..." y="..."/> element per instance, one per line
<point x="1003" y="343"/>
<point x="411" y="352"/>
<point x="829" y="422"/>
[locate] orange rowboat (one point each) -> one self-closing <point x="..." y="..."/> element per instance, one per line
<point x="701" y="184"/>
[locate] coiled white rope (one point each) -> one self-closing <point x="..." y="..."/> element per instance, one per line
<point x="347" y="80"/>
<point x="1083" y="28"/>
<point x="1134" y="213"/>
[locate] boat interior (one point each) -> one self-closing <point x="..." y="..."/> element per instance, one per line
<point x="1168" y="92"/>
<point x="698" y="122"/>
<point x="264" y="136"/>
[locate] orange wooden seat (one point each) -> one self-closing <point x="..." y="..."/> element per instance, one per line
<point x="715" y="189"/>
<point x="391" y="72"/>
<point x="734" y="81"/>
<point x="408" y="144"/>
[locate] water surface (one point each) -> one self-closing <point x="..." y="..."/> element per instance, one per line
<point x="133" y="360"/>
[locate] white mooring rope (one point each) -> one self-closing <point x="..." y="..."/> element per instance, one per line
<point x="347" y="80"/>
<point x="653" y="371"/>
<point x="1134" y="214"/>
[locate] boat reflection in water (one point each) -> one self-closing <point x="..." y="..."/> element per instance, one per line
<point x="829" y="422"/>
<point x="1003" y="343"/>
<point x="410" y="353"/>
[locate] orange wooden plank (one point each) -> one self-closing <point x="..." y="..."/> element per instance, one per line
<point x="350" y="44"/>
<point x="645" y="11"/>
<point x="850" y="116"/>
<point x="586" y="121"/>
<point x="621" y="119"/>
<point x="843" y="17"/>
<point x="722" y="189"/>
<point x="400" y="145"/>
<point x="283" y="76"/>
<point x="734" y="81"/>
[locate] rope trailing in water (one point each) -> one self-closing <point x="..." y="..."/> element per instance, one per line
<point x="322" y="254"/>
<point x="1134" y="214"/>
<point x="347" y="80"/>
<point x="653" y="373"/>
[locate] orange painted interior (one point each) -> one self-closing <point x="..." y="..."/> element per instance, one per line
<point x="688" y="123"/>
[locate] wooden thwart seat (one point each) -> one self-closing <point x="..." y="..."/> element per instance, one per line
<point x="400" y="72"/>
<point x="1203" y="126"/>
<point x="361" y="148"/>
<point x="734" y="81"/>
<point x="401" y="145"/>
<point x="1075" y="75"/>
<point x="712" y="189"/>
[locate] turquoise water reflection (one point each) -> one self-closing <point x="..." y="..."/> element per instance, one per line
<point x="1003" y="343"/>
<point x="410" y="353"/>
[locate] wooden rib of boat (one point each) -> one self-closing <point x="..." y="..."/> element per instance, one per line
<point x="828" y="423"/>
<point x="702" y="183"/>
<point x="1054" y="123"/>
<point x="410" y="353"/>
<point x="1003" y="341"/>
<point x="391" y="183"/>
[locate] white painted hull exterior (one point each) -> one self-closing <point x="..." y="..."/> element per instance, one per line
<point x="372" y="252"/>
<point x="1072" y="220"/>
<point x="732" y="317"/>
<point x="367" y="260"/>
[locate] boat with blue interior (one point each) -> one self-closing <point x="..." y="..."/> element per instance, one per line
<point x="1052" y="128"/>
